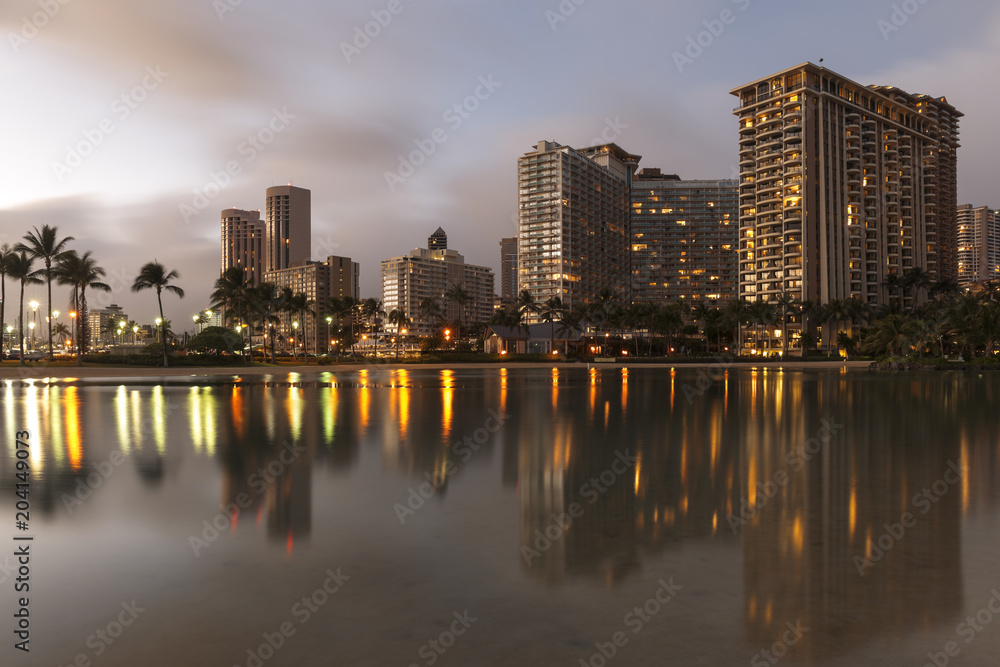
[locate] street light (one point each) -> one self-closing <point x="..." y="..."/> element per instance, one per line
<point x="295" y="326"/>
<point x="135" y="334"/>
<point x="329" y="321"/>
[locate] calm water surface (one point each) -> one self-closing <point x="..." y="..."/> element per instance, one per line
<point x="509" y="517"/>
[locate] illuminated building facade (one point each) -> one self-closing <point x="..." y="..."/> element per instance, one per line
<point x="288" y="226"/>
<point x="243" y="243"/>
<point x="978" y="245"/>
<point x="319" y="281"/>
<point x="573" y="222"/>
<point x="842" y="185"/>
<point x="508" y="269"/>
<point x="684" y="237"/>
<point x="427" y="273"/>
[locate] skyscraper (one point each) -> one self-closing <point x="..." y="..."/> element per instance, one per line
<point x="842" y="185"/>
<point x="319" y="281"/>
<point x="684" y="237"/>
<point x="243" y="243"/>
<point x="289" y="226"/>
<point x="508" y="269"/>
<point x="573" y="222"/>
<point x="438" y="240"/>
<point x="978" y="245"/>
<point x="428" y="273"/>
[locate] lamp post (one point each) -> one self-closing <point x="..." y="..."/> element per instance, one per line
<point x="329" y="321"/>
<point x="34" y="319"/>
<point x="295" y="328"/>
<point x="159" y="334"/>
<point x="135" y="334"/>
<point x="76" y="333"/>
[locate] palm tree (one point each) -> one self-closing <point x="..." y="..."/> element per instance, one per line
<point x="668" y="321"/>
<point x="526" y="304"/>
<point x="398" y="319"/>
<point x="459" y="295"/>
<point x="735" y="313"/>
<point x="44" y="244"/>
<point x="155" y="276"/>
<point x="551" y="311"/>
<point x="234" y="294"/>
<point x="894" y="282"/>
<point x="761" y="314"/>
<point x="430" y="310"/>
<point x="5" y="252"/>
<point x="61" y="331"/>
<point x="300" y="305"/>
<point x="787" y="304"/>
<point x="20" y="268"/>
<point x="916" y="279"/>
<point x="891" y="334"/>
<point x="830" y="316"/>
<point x="80" y="272"/>
<point x="270" y="301"/>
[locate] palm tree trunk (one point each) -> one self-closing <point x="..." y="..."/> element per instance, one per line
<point x="20" y="328"/>
<point x="163" y="327"/>
<point x="48" y="280"/>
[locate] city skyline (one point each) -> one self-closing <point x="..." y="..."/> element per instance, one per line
<point x="236" y="110"/>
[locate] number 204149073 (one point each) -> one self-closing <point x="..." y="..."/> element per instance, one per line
<point x="23" y="471"/>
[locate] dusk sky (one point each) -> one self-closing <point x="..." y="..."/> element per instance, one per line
<point x="162" y="94"/>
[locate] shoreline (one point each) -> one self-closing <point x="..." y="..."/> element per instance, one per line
<point x="15" y="372"/>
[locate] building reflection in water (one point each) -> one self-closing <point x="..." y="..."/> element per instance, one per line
<point x="678" y="483"/>
<point x="703" y="446"/>
<point x="804" y="549"/>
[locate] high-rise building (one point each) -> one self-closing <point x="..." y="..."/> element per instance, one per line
<point x="319" y="281"/>
<point x="243" y="243"/>
<point x="573" y="222"/>
<point x="842" y="185"/>
<point x="978" y="245"/>
<point x="427" y="273"/>
<point x="97" y="323"/>
<point x="288" y="226"/>
<point x="508" y="269"/>
<point x="684" y="237"/>
<point x="438" y="240"/>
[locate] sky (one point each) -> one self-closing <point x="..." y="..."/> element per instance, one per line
<point x="131" y="125"/>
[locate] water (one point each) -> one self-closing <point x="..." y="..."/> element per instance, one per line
<point x="606" y="507"/>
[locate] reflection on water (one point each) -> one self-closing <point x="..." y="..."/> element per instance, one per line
<point x="797" y="473"/>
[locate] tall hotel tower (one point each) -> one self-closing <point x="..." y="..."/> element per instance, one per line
<point x="289" y="226"/>
<point x="243" y="243"/>
<point x="573" y="220"/>
<point x="978" y="245"/>
<point x="842" y="185"/>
